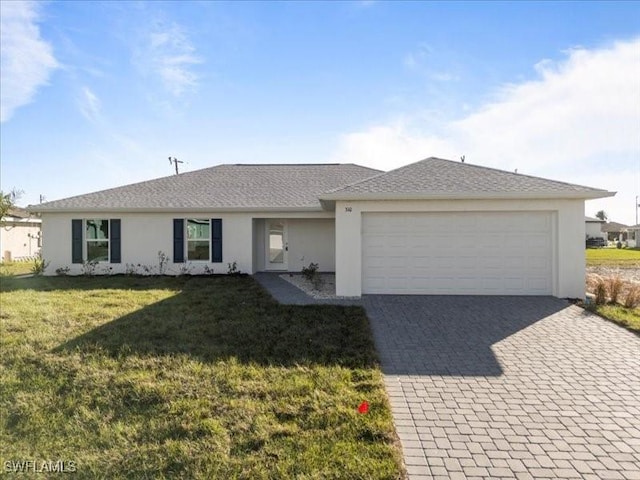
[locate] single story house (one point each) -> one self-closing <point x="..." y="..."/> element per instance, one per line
<point x="633" y="236"/>
<point x="593" y="228"/>
<point x="432" y="227"/>
<point x="20" y="235"/>
<point x="616" y="232"/>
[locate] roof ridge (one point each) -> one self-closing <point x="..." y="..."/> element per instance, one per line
<point x="335" y="190"/>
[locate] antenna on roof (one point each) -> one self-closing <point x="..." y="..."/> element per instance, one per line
<point x="175" y="161"/>
<point x="42" y="198"/>
<point x="462" y="158"/>
<point x="515" y="171"/>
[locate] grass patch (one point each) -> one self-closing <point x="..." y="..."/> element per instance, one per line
<point x="199" y="378"/>
<point x="15" y="268"/>
<point x="627" y="317"/>
<point x="615" y="257"/>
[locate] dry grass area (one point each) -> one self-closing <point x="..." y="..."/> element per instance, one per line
<point x="616" y="299"/>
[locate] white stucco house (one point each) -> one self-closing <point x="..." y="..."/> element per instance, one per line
<point x="593" y="228"/>
<point x="431" y="227"/>
<point x="20" y="236"/>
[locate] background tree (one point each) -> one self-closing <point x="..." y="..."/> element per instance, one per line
<point x="8" y="201"/>
<point x="602" y="215"/>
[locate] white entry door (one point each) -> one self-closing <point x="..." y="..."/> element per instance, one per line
<point x="458" y="253"/>
<point x="277" y="247"/>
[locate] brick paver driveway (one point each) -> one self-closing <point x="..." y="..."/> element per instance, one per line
<point x="509" y="387"/>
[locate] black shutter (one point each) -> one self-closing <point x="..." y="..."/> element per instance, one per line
<point x="114" y="240"/>
<point x="216" y="240"/>
<point x="178" y="240"/>
<point x="76" y="241"/>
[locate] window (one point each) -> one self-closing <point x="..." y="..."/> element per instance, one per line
<point x="97" y="240"/>
<point x="198" y="239"/>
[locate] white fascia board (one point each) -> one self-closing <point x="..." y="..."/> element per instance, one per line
<point x="468" y="196"/>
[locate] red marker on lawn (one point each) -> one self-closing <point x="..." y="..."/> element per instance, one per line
<point x="364" y="407"/>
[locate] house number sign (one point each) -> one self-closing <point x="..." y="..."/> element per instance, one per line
<point x="348" y="209"/>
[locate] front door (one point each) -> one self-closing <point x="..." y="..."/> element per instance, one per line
<point x="277" y="246"/>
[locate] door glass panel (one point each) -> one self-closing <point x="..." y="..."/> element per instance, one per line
<point x="276" y="243"/>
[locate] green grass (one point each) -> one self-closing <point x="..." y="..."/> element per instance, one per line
<point x="615" y="257"/>
<point x="15" y="268"/>
<point x="198" y="378"/>
<point x="627" y="317"/>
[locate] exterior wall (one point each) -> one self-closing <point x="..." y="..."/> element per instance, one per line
<point x="19" y="239"/>
<point x="310" y="240"/>
<point x="593" y="230"/>
<point x="143" y="236"/>
<point x="568" y="250"/>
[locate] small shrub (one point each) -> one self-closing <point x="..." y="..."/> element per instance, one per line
<point x="163" y="259"/>
<point x="146" y="269"/>
<point x="311" y="271"/>
<point x="633" y="297"/>
<point x="232" y="269"/>
<point x="130" y="269"/>
<point x="600" y="291"/>
<point x="312" y="274"/>
<point x="208" y="270"/>
<point x="39" y="265"/>
<point x="62" y="271"/>
<point x="614" y="285"/>
<point x="89" y="268"/>
<point x="185" y="269"/>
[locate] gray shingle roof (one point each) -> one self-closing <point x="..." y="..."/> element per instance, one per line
<point x="435" y="177"/>
<point x="280" y="186"/>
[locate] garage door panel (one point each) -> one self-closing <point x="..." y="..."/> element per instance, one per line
<point x="457" y="253"/>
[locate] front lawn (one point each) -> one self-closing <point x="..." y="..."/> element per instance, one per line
<point x="197" y="378"/>
<point x="627" y="317"/>
<point x="615" y="257"/>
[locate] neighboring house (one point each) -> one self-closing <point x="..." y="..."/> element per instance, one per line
<point x="431" y="227"/>
<point x="616" y="232"/>
<point x="633" y="236"/>
<point x="20" y="236"/>
<point x="593" y="228"/>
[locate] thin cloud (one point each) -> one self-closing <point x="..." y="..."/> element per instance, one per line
<point x="577" y="121"/>
<point x="169" y="54"/>
<point x="26" y="60"/>
<point x="89" y="104"/>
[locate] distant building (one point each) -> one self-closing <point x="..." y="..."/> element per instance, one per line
<point x="20" y="235"/>
<point x="593" y="228"/>
<point x="616" y="232"/>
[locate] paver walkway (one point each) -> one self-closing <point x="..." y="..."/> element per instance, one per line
<point x="509" y="387"/>
<point x="288" y="294"/>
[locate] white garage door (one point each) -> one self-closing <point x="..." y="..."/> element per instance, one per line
<point x="466" y="253"/>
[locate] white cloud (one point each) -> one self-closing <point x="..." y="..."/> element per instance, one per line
<point x="26" y="61"/>
<point x="168" y="53"/>
<point x="89" y="104"/>
<point x="579" y="121"/>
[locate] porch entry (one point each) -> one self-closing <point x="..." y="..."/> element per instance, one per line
<point x="277" y="245"/>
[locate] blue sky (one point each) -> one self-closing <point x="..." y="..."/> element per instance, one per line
<point x="96" y="95"/>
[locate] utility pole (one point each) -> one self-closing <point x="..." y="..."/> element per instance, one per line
<point x="175" y="161"/>
<point x="637" y="205"/>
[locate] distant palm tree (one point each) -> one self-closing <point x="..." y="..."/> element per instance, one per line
<point x="602" y="215"/>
